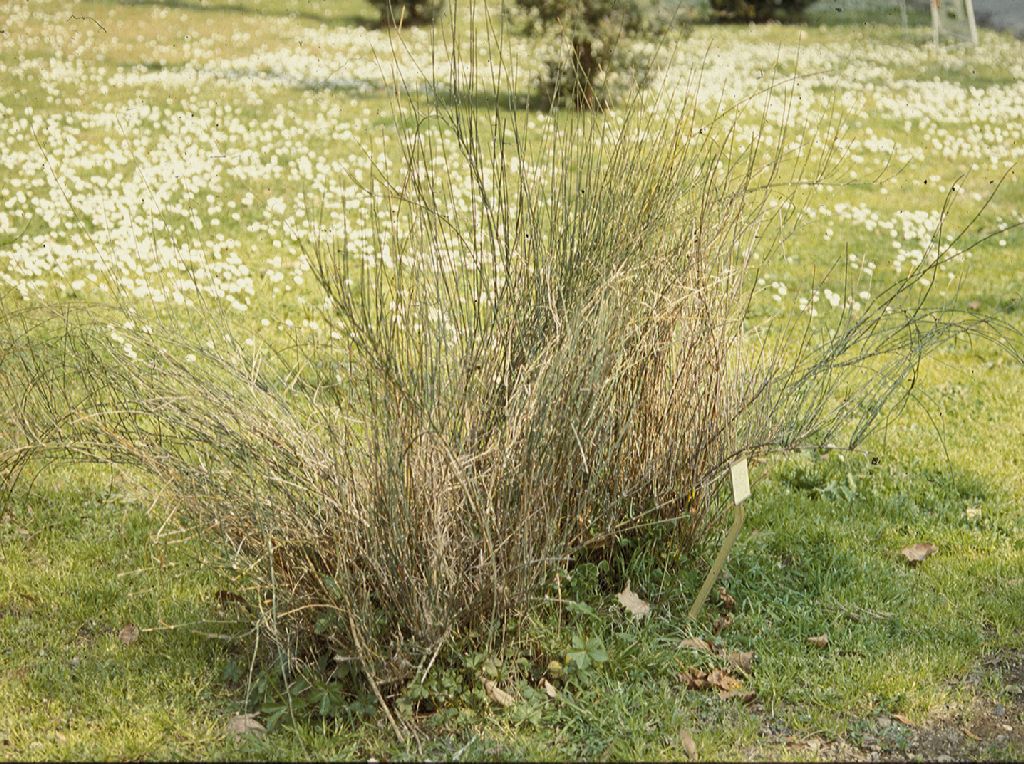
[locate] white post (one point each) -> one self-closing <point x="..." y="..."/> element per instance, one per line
<point x="903" y="15"/>
<point x="935" y="21"/>
<point x="971" y="23"/>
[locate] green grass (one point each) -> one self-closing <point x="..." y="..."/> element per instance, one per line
<point x="79" y="564"/>
<point x="81" y="556"/>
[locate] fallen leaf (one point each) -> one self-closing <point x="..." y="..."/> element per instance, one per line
<point x="128" y="634"/>
<point x="696" y="643"/>
<point x="244" y="724"/>
<point x="723" y="681"/>
<point x="727" y="685"/>
<point x="549" y="689"/>
<point x="746" y="697"/>
<point x="695" y="679"/>
<point x="689" y="746"/>
<point x="974" y="305"/>
<point x="744" y="661"/>
<point x="498" y="695"/>
<point x="915" y="553"/>
<point x="726" y="600"/>
<point x="820" y="641"/>
<point x="972" y="512"/>
<point x="903" y="719"/>
<point x="723" y="622"/>
<point x="629" y="600"/>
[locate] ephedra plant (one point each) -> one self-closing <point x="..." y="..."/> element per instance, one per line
<point x="556" y="356"/>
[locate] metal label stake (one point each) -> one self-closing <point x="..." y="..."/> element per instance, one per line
<point x="740" y="493"/>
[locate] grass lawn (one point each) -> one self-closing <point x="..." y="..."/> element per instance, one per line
<point x="133" y="130"/>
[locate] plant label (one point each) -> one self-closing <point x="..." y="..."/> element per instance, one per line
<point x="740" y="481"/>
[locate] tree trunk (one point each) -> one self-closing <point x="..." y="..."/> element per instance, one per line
<point x="585" y="69"/>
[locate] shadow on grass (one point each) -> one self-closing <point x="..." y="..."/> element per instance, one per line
<point x="490" y="101"/>
<point x="348" y="18"/>
<point x="830" y="13"/>
<point x="485" y="101"/>
<point x="835" y="16"/>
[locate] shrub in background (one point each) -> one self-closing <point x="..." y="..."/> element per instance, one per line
<point x="758" y="10"/>
<point x="407" y="12"/>
<point x="593" y="37"/>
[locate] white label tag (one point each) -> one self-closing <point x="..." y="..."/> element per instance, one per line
<point x="740" y="481"/>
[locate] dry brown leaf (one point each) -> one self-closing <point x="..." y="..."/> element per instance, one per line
<point x="727" y="685"/>
<point x="723" y="680"/>
<point x="723" y="622"/>
<point x="128" y="634"/>
<point x="744" y="661"/>
<point x="726" y="600"/>
<point x="903" y="719"/>
<point x="244" y="724"/>
<point x="629" y="600"/>
<point x="820" y="641"/>
<point x="695" y="679"/>
<point x="549" y="689"/>
<point x="498" y="695"/>
<point x="746" y="697"/>
<point x="689" y="746"/>
<point x="696" y="643"/>
<point x="915" y="553"/>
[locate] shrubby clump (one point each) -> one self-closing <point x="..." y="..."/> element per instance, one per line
<point x="758" y="10"/>
<point x="594" y="60"/>
<point x="407" y="12"/>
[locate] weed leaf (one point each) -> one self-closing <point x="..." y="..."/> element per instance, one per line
<point x="629" y="600"/>
<point x="721" y="624"/>
<point x="916" y="553"/>
<point x="696" y="643"/>
<point x="743" y="661"/>
<point x="689" y="746"/>
<point x="498" y="695"/>
<point x="128" y="634"/>
<point x="726" y="600"/>
<point x="244" y="724"/>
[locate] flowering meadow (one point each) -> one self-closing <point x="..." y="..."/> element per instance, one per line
<point x="187" y="160"/>
<point x="153" y="153"/>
